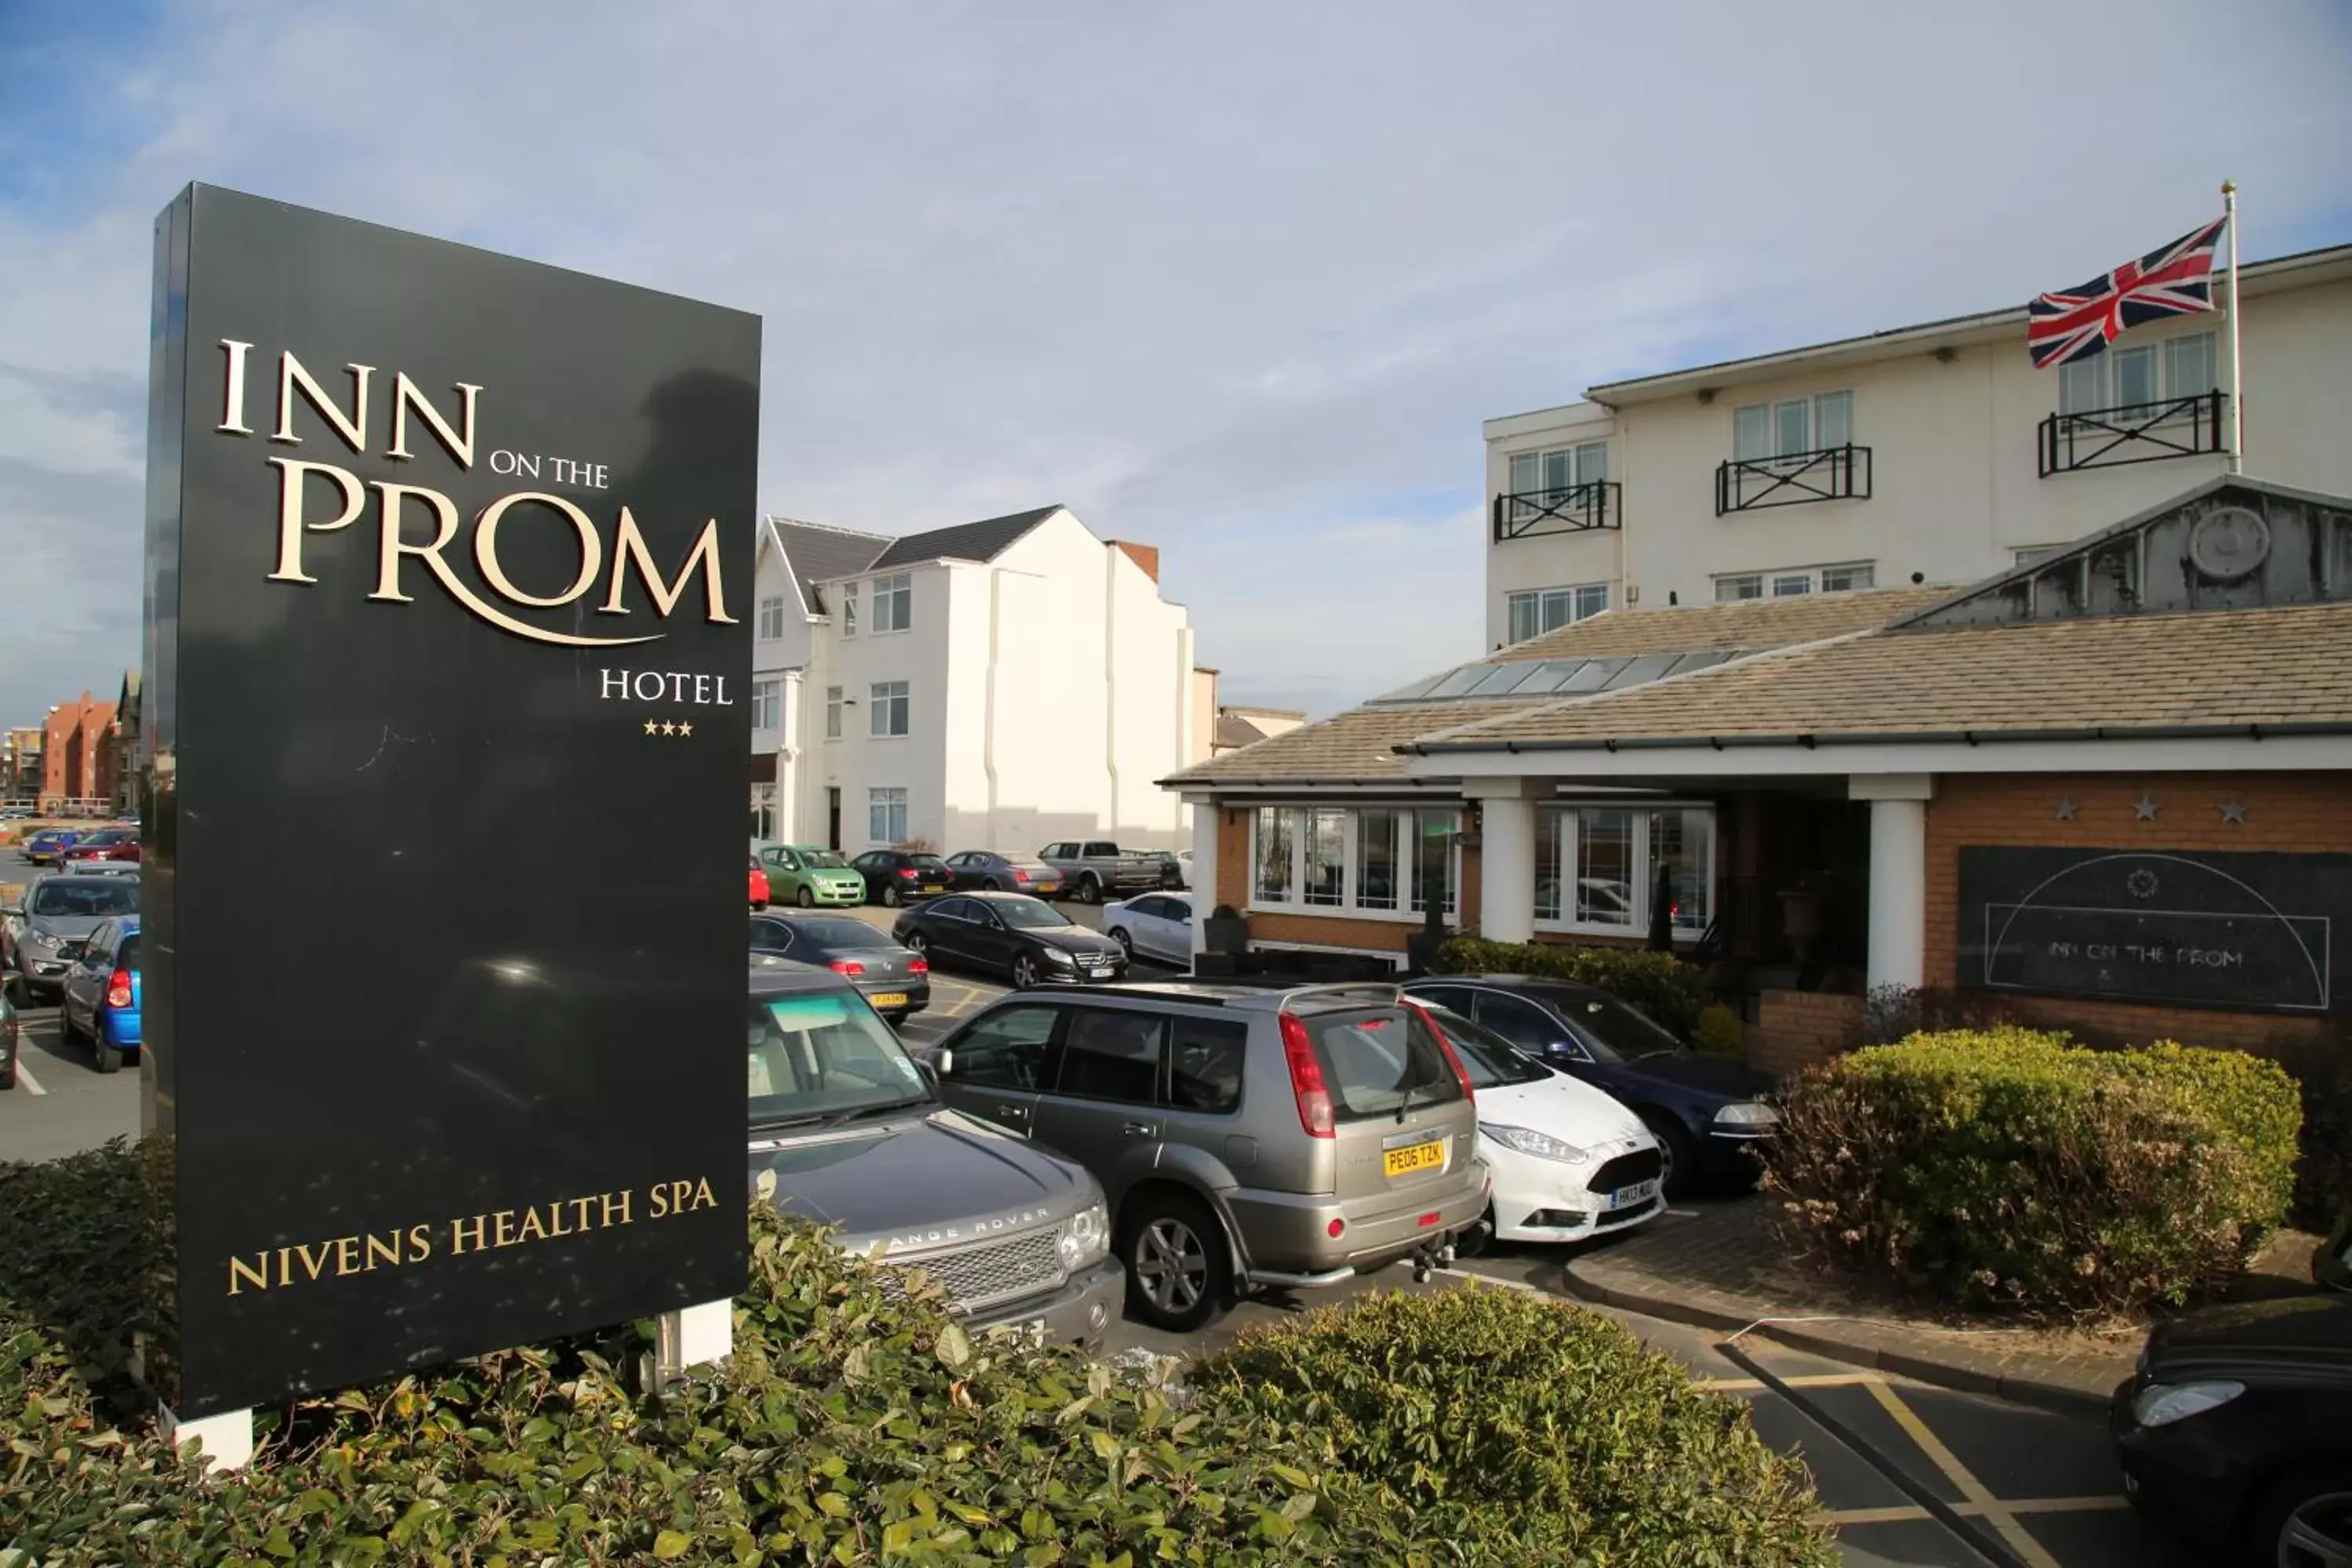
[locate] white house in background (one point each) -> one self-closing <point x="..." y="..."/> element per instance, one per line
<point x="1935" y="453"/>
<point x="996" y="685"/>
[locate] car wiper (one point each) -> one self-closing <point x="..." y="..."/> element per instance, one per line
<point x="840" y="1118"/>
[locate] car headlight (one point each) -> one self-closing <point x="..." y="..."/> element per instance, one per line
<point x="1527" y="1140"/>
<point x="1085" y="1238"/>
<point x="2160" y="1405"/>
<point x="1749" y="1113"/>
<point x="43" y="941"/>
<point x="1056" y="955"/>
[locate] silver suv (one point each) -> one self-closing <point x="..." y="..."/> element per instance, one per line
<point x="1244" y="1137"/>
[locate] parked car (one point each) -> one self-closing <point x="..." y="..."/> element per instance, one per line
<point x="1012" y="934"/>
<point x="896" y="877"/>
<point x="1157" y="926"/>
<point x="45" y="933"/>
<point x="18" y="813"/>
<point x="2235" y="1432"/>
<point x="10" y="1040"/>
<point x="44" y="847"/>
<point x="1704" y="1111"/>
<point x="809" y="875"/>
<point x="100" y="1000"/>
<point x="759" y="881"/>
<point x="106" y="844"/>
<point x="985" y="871"/>
<point x="1175" y="869"/>
<point x="1093" y="869"/>
<point x="1247" y="1138"/>
<point x="894" y="982"/>
<point x="1570" y="1162"/>
<point x="855" y="1136"/>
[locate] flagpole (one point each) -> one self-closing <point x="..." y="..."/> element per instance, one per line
<point x="2237" y="372"/>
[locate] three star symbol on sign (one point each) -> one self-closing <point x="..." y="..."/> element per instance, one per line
<point x="665" y="727"/>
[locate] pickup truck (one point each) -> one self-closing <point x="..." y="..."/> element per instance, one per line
<point x="1091" y="868"/>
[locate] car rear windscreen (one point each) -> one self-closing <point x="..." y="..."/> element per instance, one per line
<point x="1375" y="1059"/>
<point x="127" y="955"/>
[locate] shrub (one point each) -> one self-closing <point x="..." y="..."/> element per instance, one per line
<point x="2007" y="1168"/>
<point x="1719" y="1031"/>
<point x="1527" y="1427"/>
<point x="1895" y="1012"/>
<point x="851" y="1426"/>
<point x="1663" y="987"/>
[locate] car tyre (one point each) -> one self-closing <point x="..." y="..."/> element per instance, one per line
<point x="916" y="942"/>
<point x="1089" y="890"/>
<point x="890" y="898"/>
<point x="109" y="1058"/>
<point x="1179" y="1274"/>
<point x="2305" y="1516"/>
<point x="1024" y="971"/>
<point x="804" y="899"/>
<point x="1680" y="1155"/>
<point x="1126" y="942"/>
<point x="8" y="1076"/>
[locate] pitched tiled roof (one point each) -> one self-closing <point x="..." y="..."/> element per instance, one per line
<point x="1357" y="747"/>
<point x="1745" y="624"/>
<point x="981" y="541"/>
<point x="817" y="552"/>
<point x="2218" y="669"/>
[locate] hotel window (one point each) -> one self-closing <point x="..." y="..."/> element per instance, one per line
<point x="886" y="815"/>
<point x="1550" y="473"/>
<point x="1277" y="837"/>
<point x="1326" y="882"/>
<point x="1793" y="425"/>
<point x="887" y="715"/>
<point x="2035" y="554"/>
<point x="894" y="601"/>
<point x="1598" y="868"/>
<point x="1742" y="586"/>
<point x="849" y="609"/>
<point x="2125" y="379"/>
<point x="1849" y="579"/>
<point x="833" y="712"/>
<point x="766" y="702"/>
<point x="1425" y="826"/>
<point x="1540" y="610"/>
<point x="1376" y="858"/>
<point x="771" y="618"/>
<point x="1789" y="584"/>
<point x="1361" y="859"/>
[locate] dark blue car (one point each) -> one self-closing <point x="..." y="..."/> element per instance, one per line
<point x="44" y="848"/>
<point x="1704" y="1109"/>
<point x="100" y="1004"/>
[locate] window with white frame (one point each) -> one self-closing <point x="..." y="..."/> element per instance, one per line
<point x="1846" y="577"/>
<point x="1789" y="584"/>
<point x="771" y="618"/>
<point x="1792" y="427"/>
<point x="888" y="712"/>
<point x="833" y="712"/>
<point x="1599" y="868"/>
<point x="1547" y="475"/>
<point x="849" y="609"/>
<point x="1540" y="610"/>
<point x="1851" y="578"/>
<point x="1374" y="860"/>
<point x="894" y="602"/>
<point x="766" y="704"/>
<point x="886" y="815"/>
<point x="2035" y="554"/>
<point x="2134" y="379"/>
<point x="1738" y="585"/>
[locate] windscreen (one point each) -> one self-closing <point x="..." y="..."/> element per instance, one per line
<point x="1491" y="1061"/>
<point x="1377" y="1061"/>
<point x="823" y="859"/>
<point x="1620" y="1030"/>
<point x="813" y="1056"/>
<point x="842" y="933"/>
<point x="1028" y="914"/>
<point x="80" y="898"/>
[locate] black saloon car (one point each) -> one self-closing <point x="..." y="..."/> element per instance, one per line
<point x="2236" y="1431"/>
<point x="1009" y="933"/>
<point x="1704" y="1109"/>
<point x="896" y="877"/>
<point x="894" y="982"/>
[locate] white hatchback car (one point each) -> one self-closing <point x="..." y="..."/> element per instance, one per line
<point x="1570" y="1162"/>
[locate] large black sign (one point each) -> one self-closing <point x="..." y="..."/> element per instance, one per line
<point x="2256" y="932"/>
<point x="447" y="637"/>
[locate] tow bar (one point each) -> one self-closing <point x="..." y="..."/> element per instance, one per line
<point x="1429" y="1259"/>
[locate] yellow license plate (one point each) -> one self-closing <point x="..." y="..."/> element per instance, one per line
<point x="1418" y="1157"/>
<point x="890" y="999"/>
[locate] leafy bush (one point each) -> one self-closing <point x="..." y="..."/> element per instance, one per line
<point x="1663" y="987"/>
<point x="1719" y="1032"/>
<point x="2007" y="1168"/>
<point x="1895" y="1013"/>
<point x="1528" y="1428"/>
<point x="849" y="1427"/>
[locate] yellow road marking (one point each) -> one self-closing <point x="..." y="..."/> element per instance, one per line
<point x="1907" y="1514"/>
<point x="1801" y="1380"/>
<point x="1987" y="1507"/>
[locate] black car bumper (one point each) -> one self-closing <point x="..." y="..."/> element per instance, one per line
<point x="2186" y="1484"/>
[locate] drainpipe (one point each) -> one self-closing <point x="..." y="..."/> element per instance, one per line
<point x="1185" y="681"/>
<point x="1110" y="681"/>
<point x="988" y="708"/>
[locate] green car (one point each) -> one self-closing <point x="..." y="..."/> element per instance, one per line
<point x="808" y="876"/>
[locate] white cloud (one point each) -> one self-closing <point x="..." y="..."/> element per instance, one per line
<point x="1239" y="280"/>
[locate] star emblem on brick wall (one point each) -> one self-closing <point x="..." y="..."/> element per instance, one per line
<point x="2146" y="807"/>
<point x="2233" y="811"/>
<point x="2066" y="809"/>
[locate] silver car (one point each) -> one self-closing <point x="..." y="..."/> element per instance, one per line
<point x="41" y="937"/>
<point x="1282" y="1139"/>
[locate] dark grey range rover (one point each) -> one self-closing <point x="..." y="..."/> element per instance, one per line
<point x="857" y="1137"/>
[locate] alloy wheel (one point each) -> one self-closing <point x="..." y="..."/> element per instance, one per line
<point x="806" y="899"/>
<point x="1172" y="1264"/>
<point x="2318" y="1534"/>
<point x="1126" y="942"/>
<point x="1024" y="971"/>
<point x="915" y="943"/>
<point x="890" y="897"/>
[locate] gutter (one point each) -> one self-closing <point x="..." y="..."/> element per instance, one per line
<point x="1898" y="738"/>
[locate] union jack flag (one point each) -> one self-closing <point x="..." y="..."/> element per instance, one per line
<point x="2174" y="280"/>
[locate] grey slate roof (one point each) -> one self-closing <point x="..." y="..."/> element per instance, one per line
<point x="981" y="541"/>
<point x="817" y="552"/>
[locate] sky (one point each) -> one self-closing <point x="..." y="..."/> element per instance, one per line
<point x="1240" y="280"/>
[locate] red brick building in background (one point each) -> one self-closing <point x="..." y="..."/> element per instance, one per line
<point x="77" y="756"/>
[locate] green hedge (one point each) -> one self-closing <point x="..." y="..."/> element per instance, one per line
<point x="1659" y="984"/>
<point x="849" y="1428"/>
<point x="1527" y="1430"/>
<point x="2007" y="1168"/>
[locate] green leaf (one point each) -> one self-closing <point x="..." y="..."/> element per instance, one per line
<point x="672" y="1544"/>
<point x="955" y="1346"/>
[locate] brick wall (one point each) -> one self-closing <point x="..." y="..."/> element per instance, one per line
<point x="2285" y="812"/>
<point x="1796" y="1028"/>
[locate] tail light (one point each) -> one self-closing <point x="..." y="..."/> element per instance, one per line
<point x="1307" y="1080"/>
<point x="118" y="989"/>
<point x="1018" y="874"/>
<point x="846" y="966"/>
<point x="1445" y="1045"/>
<point x="907" y="872"/>
<point x="918" y="966"/>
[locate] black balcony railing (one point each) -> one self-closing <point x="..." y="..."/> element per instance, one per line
<point x="1834" y="473"/>
<point x="1571" y="509"/>
<point x="2136" y="433"/>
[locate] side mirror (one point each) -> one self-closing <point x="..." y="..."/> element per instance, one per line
<point x="940" y="1066"/>
<point x="16" y="911"/>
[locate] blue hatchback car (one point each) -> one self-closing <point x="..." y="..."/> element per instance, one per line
<point x="1704" y="1109"/>
<point x="101" y="993"/>
<point x="44" y="847"/>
